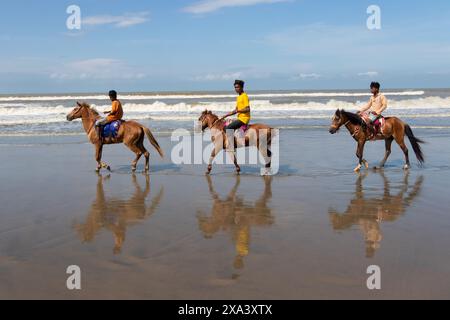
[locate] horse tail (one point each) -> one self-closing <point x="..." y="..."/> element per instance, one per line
<point x="415" y="142"/>
<point x="153" y="141"/>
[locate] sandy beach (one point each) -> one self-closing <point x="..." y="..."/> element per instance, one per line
<point x="309" y="232"/>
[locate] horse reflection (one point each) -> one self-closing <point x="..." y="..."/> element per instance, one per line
<point x="116" y="215"/>
<point x="235" y="216"/>
<point x="370" y="213"/>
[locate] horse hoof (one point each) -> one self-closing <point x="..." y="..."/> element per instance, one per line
<point x="406" y="167"/>
<point x="108" y="168"/>
<point x="133" y="169"/>
<point x="357" y="169"/>
<point x="366" y="164"/>
<point x="97" y="170"/>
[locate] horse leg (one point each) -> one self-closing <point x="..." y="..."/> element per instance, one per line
<point x="147" y="160"/>
<point x="233" y="156"/>
<point x="401" y="143"/>
<point x="98" y="158"/>
<point x="360" y="154"/>
<point x="388" y="143"/>
<point x="265" y="150"/>
<point x="134" y="148"/>
<point x="146" y="155"/>
<point x="211" y="159"/>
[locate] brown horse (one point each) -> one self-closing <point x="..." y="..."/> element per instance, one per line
<point x="394" y="129"/>
<point x="257" y="135"/>
<point x="131" y="133"/>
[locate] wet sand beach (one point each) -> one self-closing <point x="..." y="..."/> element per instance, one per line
<point x="309" y="232"/>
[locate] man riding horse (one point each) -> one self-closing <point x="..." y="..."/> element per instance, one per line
<point x="116" y="114"/>
<point x="374" y="108"/>
<point x="242" y="108"/>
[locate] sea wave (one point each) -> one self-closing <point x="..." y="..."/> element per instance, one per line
<point x="168" y="96"/>
<point x="428" y="103"/>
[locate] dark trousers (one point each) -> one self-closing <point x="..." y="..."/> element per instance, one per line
<point x="235" y="125"/>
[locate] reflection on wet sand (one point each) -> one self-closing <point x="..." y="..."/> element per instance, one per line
<point x="370" y="213"/>
<point x="235" y="216"/>
<point x="115" y="214"/>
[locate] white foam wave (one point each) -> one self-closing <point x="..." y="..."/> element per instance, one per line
<point x="137" y="97"/>
<point x="35" y="114"/>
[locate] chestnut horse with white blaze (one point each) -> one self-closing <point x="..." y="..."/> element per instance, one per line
<point x="130" y="133"/>
<point x="256" y="135"/>
<point x="394" y="129"/>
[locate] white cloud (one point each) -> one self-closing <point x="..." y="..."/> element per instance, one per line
<point x="368" y="74"/>
<point x="218" y="77"/>
<point x="206" y="6"/>
<point x="307" y="76"/>
<point x="122" y="21"/>
<point x="99" y="68"/>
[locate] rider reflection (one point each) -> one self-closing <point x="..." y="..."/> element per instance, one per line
<point x="116" y="215"/>
<point x="236" y="217"/>
<point x="370" y="213"/>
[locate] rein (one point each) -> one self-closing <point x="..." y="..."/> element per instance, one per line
<point x="355" y="132"/>
<point x="92" y="127"/>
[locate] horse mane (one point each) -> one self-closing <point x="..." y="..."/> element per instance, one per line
<point x="94" y="111"/>
<point x="207" y="112"/>
<point x="353" y="118"/>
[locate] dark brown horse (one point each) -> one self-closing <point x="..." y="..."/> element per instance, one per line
<point x="394" y="129"/>
<point x="259" y="135"/>
<point x="131" y="133"/>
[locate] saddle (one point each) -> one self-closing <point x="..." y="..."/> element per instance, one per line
<point x="242" y="129"/>
<point x="111" y="130"/>
<point x="239" y="134"/>
<point x="377" y="126"/>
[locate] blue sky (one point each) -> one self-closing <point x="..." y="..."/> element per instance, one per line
<point x="205" y="44"/>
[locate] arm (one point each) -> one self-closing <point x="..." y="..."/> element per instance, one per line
<point x="366" y="107"/>
<point x="246" y="110"/>
<point x="384" y="105"/>
<point x="114" y="108"/>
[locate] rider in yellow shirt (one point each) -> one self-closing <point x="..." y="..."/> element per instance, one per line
<point x="242" y="108"/>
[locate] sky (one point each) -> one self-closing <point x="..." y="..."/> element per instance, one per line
<point x="203" y="45"/>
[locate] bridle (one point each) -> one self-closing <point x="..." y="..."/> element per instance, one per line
<point x="93" y="123"/>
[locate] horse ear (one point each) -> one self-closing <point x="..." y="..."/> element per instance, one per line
<point x="210" y="112"/>
<point x="79" y="104"/>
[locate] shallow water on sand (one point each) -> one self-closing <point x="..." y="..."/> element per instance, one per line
<point x="309" y="232"/>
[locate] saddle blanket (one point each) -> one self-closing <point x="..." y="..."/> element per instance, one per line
<point x="111" y="130"/>
<point x="378" y="124"/>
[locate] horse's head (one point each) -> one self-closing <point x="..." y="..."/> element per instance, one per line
<point x="337" y="121"/>
<point x="77" y="112"/>
<point x="206" y="119"/>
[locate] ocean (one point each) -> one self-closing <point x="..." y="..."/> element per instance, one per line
<point x="45" y="115"/>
